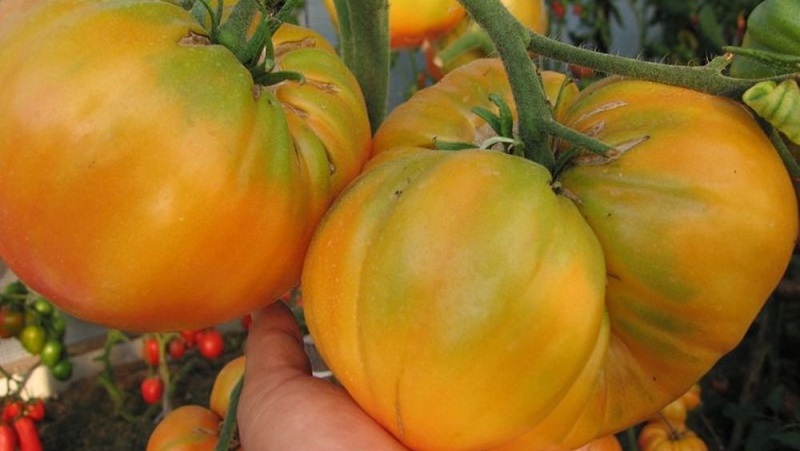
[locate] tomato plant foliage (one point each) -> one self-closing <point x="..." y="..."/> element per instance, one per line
<point x="148" y="182"/>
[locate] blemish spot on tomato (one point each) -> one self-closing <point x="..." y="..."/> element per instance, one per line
<point x="289" y="46"/>
<point x="194" y="40"/>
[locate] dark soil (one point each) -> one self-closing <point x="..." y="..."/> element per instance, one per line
<point x="83" y="418"/>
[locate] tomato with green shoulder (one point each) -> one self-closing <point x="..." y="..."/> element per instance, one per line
<point x="519" y="309"/>
<point x="177" y="192"/>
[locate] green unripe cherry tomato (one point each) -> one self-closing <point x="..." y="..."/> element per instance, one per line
<point x="52" y="352"/>
<point x="32" y="337"/>
<point x="16" y="287"/>
<point x="43" y="307"/>
<point x="58" y="325"/>
<point x="62" y="370"/>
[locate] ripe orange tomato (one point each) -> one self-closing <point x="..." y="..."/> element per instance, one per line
<point x="187" y="428"/>
<point x="661" y="436"/>
<point x="226" y="380"/>
<point x="148" y="184"/>
<point x="475" y="285"/>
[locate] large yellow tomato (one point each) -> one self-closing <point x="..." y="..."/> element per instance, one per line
<point x="146" y="181"/>
<point x="467" y="300"/>
<point x="413" y="21"/>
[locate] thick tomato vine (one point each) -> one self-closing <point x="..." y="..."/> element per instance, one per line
<point x="468" y="42"/>
<point x="413" y="21"/>
<point x="148" y="183"/>
<point x="581" y="304"/>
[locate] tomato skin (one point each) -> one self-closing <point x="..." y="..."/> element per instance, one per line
<point x="187" y="428"/>
<point x="223" y="386"/>
<point x="170" y="184"/>
<point x="211" y="344"/>
<point x="677" y="292"/>
<point x="27" y="435"/>
<point x="604" y="443"/>
<point x="413" y="21"/>
<point x="152" y="388"/>
<point x="412" y="368"/>
<point x="771" y="26"/>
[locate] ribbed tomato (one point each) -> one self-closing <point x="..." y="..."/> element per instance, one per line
<point x="189" y="427"/>
<point x="472" y="291"/>
<point x="147" y="183"/>
<point x="661" y="436"/>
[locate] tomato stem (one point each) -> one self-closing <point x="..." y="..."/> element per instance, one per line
<point x="789" y="161"/>
<point x="226" y="435"/>
<point x="708" y="78"/>
<point x="469" y="41"/>
<point x="510" y="38"/>
<point x="163" y="372"/>
<point x="364" y="43"/>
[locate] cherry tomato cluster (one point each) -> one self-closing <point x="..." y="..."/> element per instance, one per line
<point x="209" y="343"/>
<point x="202" y="425"/>
<point x="18" y="424"/>
<point x="37" y="325"/>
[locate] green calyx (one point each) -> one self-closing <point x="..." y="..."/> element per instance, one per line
<point x="246" y="29"/>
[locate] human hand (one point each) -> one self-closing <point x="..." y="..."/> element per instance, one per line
<point x="283" y="407"/>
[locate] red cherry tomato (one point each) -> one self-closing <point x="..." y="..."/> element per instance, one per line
<point x="210" y="344"/>
<point x="176" y="348"/>
<point x="190" y="337"/>
<point x="8" y="438"/>
<point x="152" y="388"/>
<point x="150" y="352"/>
<point x="27" y="434"/>
<point x="12" y="410"/>
<point x="246" y="321"/>
<point x="35" y="409"/>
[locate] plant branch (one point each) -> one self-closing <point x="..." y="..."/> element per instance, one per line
<point x="708" y="78"/>
<point x="364" y="43"/>
<point x="510" y="38"/>
<point x="229" y="423"/>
